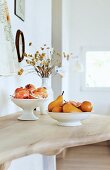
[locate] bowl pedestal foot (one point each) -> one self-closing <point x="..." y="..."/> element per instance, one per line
<point x="28" y="115"/>
<point x="78" y="123"/>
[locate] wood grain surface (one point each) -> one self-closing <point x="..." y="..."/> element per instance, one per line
<point x="89" y="157"/>
<point x="44" y="136"/>
<point x="5" y="166"/>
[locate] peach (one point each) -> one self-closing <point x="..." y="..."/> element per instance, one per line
<point x="42" y="89"/>
<point x="34" y="94"/>
<point x="31" y="97"/>
<point x="76" y="104"/>
<point x="30" y="87"/>
<point x="39" y="94"/>
<point x="44" y="95"/>
<point x="22" y="94"/>
<point x="18" y="89"/>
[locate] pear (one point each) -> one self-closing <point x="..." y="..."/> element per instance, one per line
<point x="57" y="109"/>
<point x="57" y="102"/>
<point x="69" y="108"/>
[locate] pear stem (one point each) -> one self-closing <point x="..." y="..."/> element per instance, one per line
<point x="62" y="93"/>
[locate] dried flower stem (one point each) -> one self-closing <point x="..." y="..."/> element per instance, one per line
<point x="44" y="60"/>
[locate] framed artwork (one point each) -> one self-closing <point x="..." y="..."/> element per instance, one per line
<point x="20" y="9"/>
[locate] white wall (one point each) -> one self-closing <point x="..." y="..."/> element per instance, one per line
<point x="61" y="42"/>
<point x="37" y="29"/>
<point x="37" y="24"/>
<point x="90" y="27"/>
<point x="57" y="41"/>
<point x="66" y="42"/>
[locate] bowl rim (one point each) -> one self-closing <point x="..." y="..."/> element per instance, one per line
<point x="68" y="114"/>
<point x="12" y="98"/>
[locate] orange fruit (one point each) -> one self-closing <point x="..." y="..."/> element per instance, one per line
<point x="86" y="106"/>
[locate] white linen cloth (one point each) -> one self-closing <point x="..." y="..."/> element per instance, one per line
<point x="8" y="55"/>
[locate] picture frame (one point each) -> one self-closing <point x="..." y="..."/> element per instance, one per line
<point x="20" y="45"/>
<point x="19" y="9"/>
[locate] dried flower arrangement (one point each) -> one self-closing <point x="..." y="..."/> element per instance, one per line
<point x="44" y="60"/>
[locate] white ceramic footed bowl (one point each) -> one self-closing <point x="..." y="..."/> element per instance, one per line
<point x="28" y="105"/>
<point x="69" y="119"/>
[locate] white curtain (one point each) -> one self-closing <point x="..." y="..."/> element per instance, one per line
<point x="8" y="57"/>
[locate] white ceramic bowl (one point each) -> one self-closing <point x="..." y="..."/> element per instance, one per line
<point x="69" y="119"/>
<point x="28" y="105"/>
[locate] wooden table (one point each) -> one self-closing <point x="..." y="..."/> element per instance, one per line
<point x="44" y="136"/>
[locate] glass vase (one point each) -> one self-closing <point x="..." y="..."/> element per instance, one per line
<point x="46" y="82"/>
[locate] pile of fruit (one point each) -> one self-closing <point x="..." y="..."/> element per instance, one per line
<point x="59" y="105"/>
<point x="30" y="92"/>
